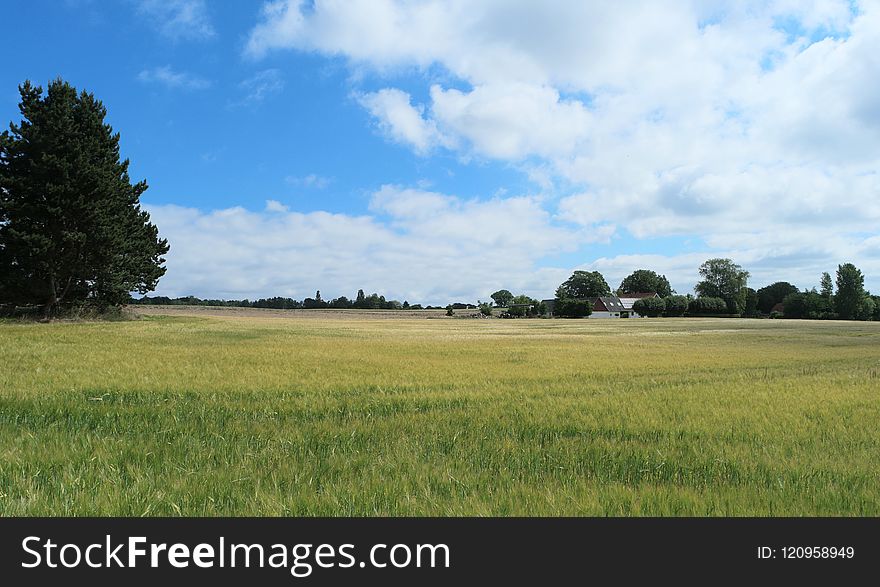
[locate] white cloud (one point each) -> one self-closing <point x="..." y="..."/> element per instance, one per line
<point x="512" y="120"/>
<point x="178" y="19"/>
<point x="276" y="206"/>
<point x="748" y="124"/>
<point x="401" y="121"/>
<point x="166" y="76"/>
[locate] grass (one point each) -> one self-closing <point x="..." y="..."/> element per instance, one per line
<point x="254" y="416"/>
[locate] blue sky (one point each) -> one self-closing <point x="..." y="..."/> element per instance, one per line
<point x="434" y="152"/>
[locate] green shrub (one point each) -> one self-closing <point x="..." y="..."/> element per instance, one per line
<point x="572" y="308"/>
<point x="651" y="307"/>
<point x="707" y="305"/>
<point x="676" y="305"/>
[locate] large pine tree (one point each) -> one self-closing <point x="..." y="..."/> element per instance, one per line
<point x="71" y="227"/>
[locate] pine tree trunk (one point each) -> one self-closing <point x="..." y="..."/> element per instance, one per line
<point x="53" y="299"/>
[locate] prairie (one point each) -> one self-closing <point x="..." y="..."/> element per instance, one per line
<point x="249" y="415"/>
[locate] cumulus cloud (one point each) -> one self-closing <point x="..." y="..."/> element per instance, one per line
<point x="276" y="206"/>
<point x="178" y="19"/>
<point x="166" y="76"/>
<point x="401" y="121"/>
<point x="512" y="120"/>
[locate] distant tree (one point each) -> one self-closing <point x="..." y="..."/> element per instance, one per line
<point x="676" y="305"/>
<point x="449" y="310"/>
<point x="521" y="305"/>
<point x="313" y="304"/>
<point x="71" y="226"/>
<point x="651" y="307"/>
<point x="583" y="285"/>
<point x="722" y="278"/>
<point x="772" y="294"/>
<point x="341" y="302"/>
<point x="276" y="303"/>
<point x="866" y="309"/>
<point x="569" y="307"/>
<point x="795" y="305"/>
<point x="644" y="280"/>
<point x="501" y="298"/>
<point x="360" y="300"/>
<point x="826" y="285"/>
<point x="818" y="307"/>
<point x="372" y="302"/>
<point x="751" y="303"/>
<point x="850" y="291"/>
<point x="485" y="309"/>
<point x="405" y="305"/>
<point x="572" y="308"/>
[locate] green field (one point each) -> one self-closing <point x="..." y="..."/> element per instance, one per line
<point x="309" y="416"/>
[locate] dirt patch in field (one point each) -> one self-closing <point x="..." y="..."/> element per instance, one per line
<point x="229" y="312"/>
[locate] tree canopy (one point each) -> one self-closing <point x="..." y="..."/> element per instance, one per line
<point x="584" y="285"/>
<point x="850" y="291"/>
<point x="71" y="226"/>
<point x="724" y="279"/>
<point x="645" y="281"/>
<point x="826" y="285"/>
<point x="522" y="305"/>
<point x="501" y="298"/>
<point x="770" y="295"/>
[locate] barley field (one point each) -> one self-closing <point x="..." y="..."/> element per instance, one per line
<point x="250" y="415"/>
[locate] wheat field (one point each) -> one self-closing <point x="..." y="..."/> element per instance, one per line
<point x="250" y="415"/>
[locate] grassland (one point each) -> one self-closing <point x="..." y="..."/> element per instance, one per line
<point x="200" y="415"/>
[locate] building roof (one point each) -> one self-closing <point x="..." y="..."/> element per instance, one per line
<point x="608" y="304"/>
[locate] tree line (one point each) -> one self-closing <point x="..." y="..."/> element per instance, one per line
<point x="361" y="301"/>
<point x="724" y="291"/>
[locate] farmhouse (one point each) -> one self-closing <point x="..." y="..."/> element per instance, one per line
<point x="607" y="307"/>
